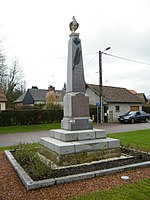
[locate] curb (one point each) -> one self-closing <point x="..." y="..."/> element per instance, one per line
<point x="31" y="185"/>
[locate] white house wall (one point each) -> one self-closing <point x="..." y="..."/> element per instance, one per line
<point x="112" y="113"/>
<point x="93" y="97"/>
<point x="123" y="108"/>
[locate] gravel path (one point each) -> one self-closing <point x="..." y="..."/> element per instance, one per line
<point x="11" y="188"/>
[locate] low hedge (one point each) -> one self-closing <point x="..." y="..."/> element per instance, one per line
<point x="26" y="117"/>
<point x="146" y="109"/>
<point x="10" y="118"/>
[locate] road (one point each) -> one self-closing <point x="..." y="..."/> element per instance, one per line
<point x="29" y="137"/>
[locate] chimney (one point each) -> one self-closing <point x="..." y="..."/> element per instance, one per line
<point x="34" y="87"/>
<point x="51" y="88"/>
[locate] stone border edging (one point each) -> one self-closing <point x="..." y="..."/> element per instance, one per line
<point x="31" y="185"/>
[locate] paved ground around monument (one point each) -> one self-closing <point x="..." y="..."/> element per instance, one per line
<point x="29" y="137"/>
<point x="11" y="187"/>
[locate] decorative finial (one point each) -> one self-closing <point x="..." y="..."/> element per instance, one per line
<point x="73" y="25"/>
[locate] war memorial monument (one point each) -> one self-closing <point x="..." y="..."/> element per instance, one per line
<point x="77" y="141"/>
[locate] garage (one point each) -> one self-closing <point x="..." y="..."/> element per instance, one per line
<point x="134" y="108"/>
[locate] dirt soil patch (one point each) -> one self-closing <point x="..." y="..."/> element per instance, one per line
<point x="11" y="187"/>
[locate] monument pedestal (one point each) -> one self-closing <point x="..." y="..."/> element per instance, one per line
<point x="75" y="147"/>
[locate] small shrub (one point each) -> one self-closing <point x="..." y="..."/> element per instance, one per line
<point x="27" y="157"/>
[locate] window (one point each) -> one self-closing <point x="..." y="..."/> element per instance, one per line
<point x="117" y="108"/>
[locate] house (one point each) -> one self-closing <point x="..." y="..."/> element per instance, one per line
<point x="116" y="101"/>
<point x="3" y="99"/>
<point x="140" y="96"/>
<point x="35" y="96"/>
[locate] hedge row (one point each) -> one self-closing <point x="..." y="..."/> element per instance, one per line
<point x="26" y="117"/>
<point x="10" y="118"/>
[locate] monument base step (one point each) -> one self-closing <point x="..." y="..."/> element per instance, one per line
<point x="79" y="158"/>
<point x="68" y="136"/>
<point x="76" y="147"/>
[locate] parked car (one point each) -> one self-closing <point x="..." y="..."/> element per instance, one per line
<point x="134" y="116"/>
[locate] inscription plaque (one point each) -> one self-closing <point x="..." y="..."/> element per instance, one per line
<point x="80" y="105"/>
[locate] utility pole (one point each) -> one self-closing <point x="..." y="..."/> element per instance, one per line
<point x="100" y="89"/>
<point x="101" y="86"/>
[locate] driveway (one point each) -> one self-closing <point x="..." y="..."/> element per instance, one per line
<point x="29" y="137"/>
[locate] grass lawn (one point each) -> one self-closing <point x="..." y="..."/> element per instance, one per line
<point x="28" y="128"/>
<point x="135" y="139"/>
<point x="138" y="191"/>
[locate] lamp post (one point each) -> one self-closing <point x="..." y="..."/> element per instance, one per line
<point x="100" y="84"/>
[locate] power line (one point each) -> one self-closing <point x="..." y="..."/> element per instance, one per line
<point x="127" y="59"/>
<point x="91" y="60"/>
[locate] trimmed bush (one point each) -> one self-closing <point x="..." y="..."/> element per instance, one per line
<point x="10" y="118"/>
<point x="27" y="117"/>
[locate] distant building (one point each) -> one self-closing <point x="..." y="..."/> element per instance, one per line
<point x="3" y="99"/>
<point x="35" y="96"/>
<point x="116" y="101"/>
<point x="141" y="96"/>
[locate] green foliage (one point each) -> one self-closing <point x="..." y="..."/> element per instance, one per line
<point x="33" y="145"/>
<point x="146" y="109"/>
<point x="26" y="117"/>
<point x="138" y="191"/>
<point x="136" y="139"/>
<point x="27" y="157"/>
<point x="12" y="96"/>
<point x="37" y="116"/>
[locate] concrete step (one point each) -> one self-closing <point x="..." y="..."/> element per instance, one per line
<point x="69" y="136"/>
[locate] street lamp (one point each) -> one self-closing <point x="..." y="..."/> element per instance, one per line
<point x="100" y="84"/>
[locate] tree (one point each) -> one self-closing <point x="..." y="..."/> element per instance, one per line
<point x="52" y="100"/>
<point x="10" y="78"/>
<point x="13" y="84"/>
<point x="3" y="67"/>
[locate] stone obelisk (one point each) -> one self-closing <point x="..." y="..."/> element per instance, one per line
<point x="77" y="141"/>
<point x="76" y="102"/>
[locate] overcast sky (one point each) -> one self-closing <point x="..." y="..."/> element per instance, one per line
<point x="37" y="33"/>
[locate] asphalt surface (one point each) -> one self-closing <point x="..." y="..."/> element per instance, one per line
<point x="29" y="137"/>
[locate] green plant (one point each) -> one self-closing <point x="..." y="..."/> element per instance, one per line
<point x="27" y="157"/>
<point x="27" y="117"/>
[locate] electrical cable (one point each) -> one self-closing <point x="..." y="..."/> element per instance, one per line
<point x="127" y="59"/>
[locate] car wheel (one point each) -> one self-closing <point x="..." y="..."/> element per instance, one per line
<point x="132" y="121"/>
<point x="146" y="120"/>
